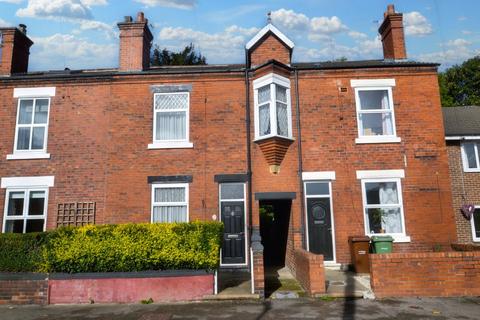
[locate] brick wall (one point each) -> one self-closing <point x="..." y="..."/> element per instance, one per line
<point x="309" y="270"/>
<point x="21" y="291"/>
<point x="432" y="274"/>
<point x="270" y="48"/>
<point x="465" y="190"/>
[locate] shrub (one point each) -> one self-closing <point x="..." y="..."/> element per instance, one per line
<point x="21" y="252"/>
<point x="127" y="247"/>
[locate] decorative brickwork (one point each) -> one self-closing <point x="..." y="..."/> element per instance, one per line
<point x="428" y="274"/>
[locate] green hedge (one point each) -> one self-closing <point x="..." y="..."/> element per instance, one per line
<point x="108" y="248"/>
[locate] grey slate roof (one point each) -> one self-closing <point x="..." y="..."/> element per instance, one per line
<point x="461" y="121"/>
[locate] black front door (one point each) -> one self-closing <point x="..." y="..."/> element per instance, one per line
<point x="233" y="218"/>
<point x="320" y="227"/>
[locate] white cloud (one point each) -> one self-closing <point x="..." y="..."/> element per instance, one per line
<point x="462" y="18"/>
<point x="64" y="50"/>
<point x="416" y="24"/>
<point x="290" y="20"/>
<point x="12" y="1"/>
<point x="179" y="4"/>
<point x="4" y="23"/>
<point x="327" y="25"/>
<point x="357" y="35"/>
<point x="453" y="52"/>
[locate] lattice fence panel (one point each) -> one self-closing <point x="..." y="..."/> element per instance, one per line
<point x="76" y="214"/>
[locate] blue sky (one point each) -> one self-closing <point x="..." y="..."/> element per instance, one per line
<point x="83" y="33"/>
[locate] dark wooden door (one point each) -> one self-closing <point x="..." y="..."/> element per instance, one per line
<point x="320" y="227"/>
<point x="233" y="218"/>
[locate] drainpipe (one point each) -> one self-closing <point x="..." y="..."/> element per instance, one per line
<point x="300" y="162"/>
<point x="249" y="155"/>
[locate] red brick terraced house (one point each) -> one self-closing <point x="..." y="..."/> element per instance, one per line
<point x="290" y="156"/>
<point x="462" y="133"/>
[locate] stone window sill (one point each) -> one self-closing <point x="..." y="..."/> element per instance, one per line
<point x="28" y="156"/>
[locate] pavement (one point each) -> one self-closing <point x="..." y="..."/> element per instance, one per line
<point x="303" y="308"/>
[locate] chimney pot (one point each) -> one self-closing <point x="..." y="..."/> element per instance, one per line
<point x="140" y="17"/>
<point x="22" y="28"/>
<point x="127" y="19"/>
<point x="390" y="9"/>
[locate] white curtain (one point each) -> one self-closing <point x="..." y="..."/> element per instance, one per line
<point x="264" y="115"/>
<point x="170" y="214"/>
<point x="386" y="116"/>
<point x="391" y="219"/>
<point x="171" y="126"/>
<point x="170" y="195"/>
<point x="282" y="119"/>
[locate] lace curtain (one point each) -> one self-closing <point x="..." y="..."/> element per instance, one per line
<point x="391" y="219"/>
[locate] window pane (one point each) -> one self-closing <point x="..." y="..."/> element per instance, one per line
<point x="374" y="124"/>
<point x="34" y="225"/>
<point x="38" y="138"/>
<point x="281" y="93"/>
<point x="171" y="126"/>
<point x="170" y="214"/>
<point x="386" y="220"/>
<point x="469" y="149"/>
<point x="25" y="112"/>
<point x="373" y="99"/>
<point x="171" y="101"/>
<point x="264" y="94"/>
<point x="15" y="203"/>
<point x="15" y="226"/>
<point x="36" y="204"/>
<point x="476" y="222"/>
<point x="231" y="191"/>
<point x="23" y="140"/>
<point x="41" y="111"/>
<point x="381" y="192"/>
<point x="317" y="188"/>
<point x="282" y="119"/>
<point x="264" y="115"/>
<point x="170" y="195"/>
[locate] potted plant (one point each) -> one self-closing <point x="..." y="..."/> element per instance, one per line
<point x="376" y="220"/>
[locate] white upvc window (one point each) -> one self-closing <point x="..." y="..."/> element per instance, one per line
<point x="383" y="207"/>
<point x="273" y="111"/>
<point x="171" y="120"/>
<point x="25" y="210"/>
<point x="475" y="221"/>
<point x="375" y="112"/>
<point x="170" y="202"/>
<point x="470" y="157"/>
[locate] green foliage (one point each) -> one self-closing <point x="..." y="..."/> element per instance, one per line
<point x="460" y="84"/>
<point x="21" y="252"/>
<point x="121" y="248"/>
<point x="188" y="56"/>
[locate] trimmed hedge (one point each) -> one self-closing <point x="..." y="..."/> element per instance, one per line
<point x="110" y="248"/>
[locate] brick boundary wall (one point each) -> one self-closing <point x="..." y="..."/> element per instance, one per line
<point x="309" y="271"/>
<point x="465" y="247"/>
<point x="162" y="286"/>
<point x="22" y="288"/>
<point x="425" y="274"/>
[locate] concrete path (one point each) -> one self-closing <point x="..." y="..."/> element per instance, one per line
<point x="358" y="309"/>
<point x="347" y="284"/>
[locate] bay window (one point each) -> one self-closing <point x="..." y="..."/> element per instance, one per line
<point x="273" y="116"/>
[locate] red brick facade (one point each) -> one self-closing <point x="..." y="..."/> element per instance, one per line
<point x="100" y="125"/>
<point x="432" y="274"/>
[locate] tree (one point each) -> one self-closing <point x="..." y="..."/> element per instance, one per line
<point x="460" y="84"/>
<point x="188" y="56"/>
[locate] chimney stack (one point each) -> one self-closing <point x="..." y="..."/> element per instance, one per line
<point x="135" y="43"/>
<point x="15" y="46"/>
<point x="393" y="37"/>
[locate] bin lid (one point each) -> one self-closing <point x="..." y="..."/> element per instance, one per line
<point x="382" y="239"/>
<point x="358" y="239"/>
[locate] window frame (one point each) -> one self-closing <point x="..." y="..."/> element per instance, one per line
<point x="273" y="80"/>
<point x="31" y="152"/>
<point x="179" y="143"/>
<point x="465" y="158"/>
<point x="25" y="216"/>
<point x="398" y="237"/>
<point x="247" y="237"/>
<point x="472" y="223"/>
<point x="170" y="204"/>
